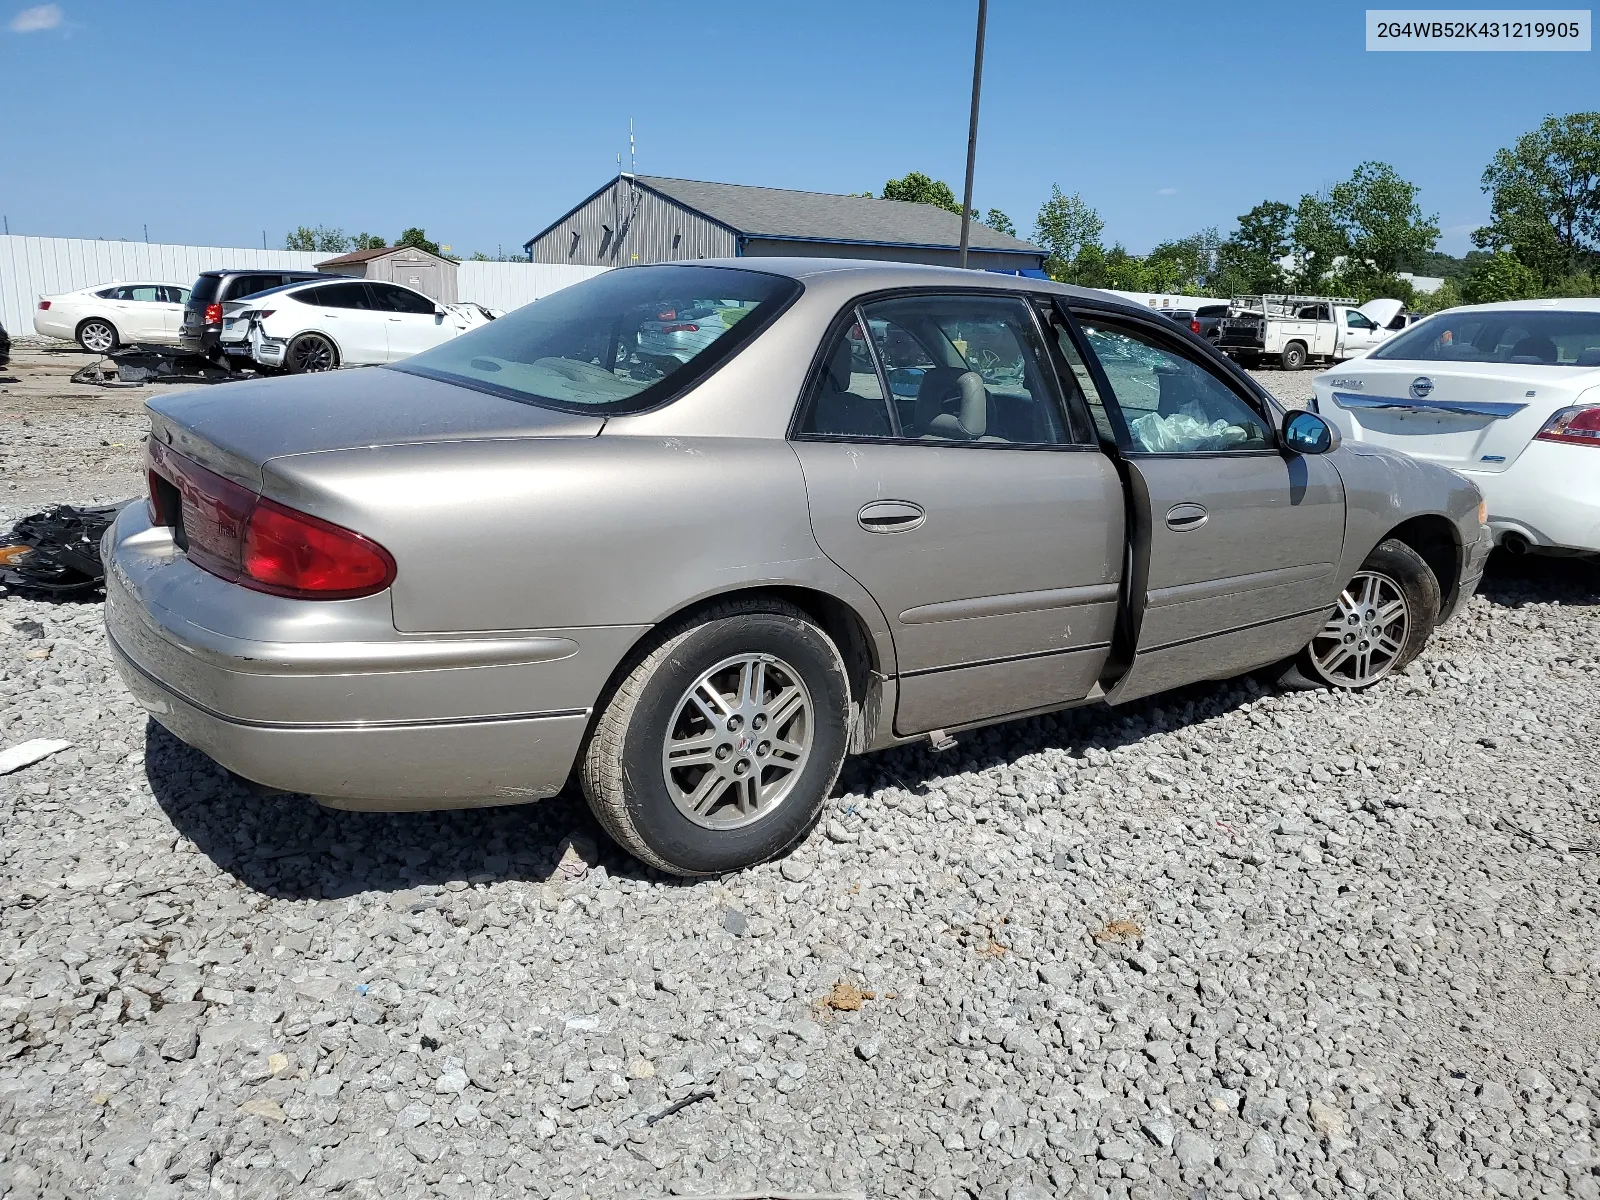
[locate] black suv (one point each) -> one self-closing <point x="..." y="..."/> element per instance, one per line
<point x="202" y="316"/>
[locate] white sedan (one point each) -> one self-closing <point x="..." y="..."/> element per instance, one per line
<point x="317" y="326"/>
<point x="1507" y="395"/>
<point x="109" y="315"/>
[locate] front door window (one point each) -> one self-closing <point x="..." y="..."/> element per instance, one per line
<point x="1172" y="404"/>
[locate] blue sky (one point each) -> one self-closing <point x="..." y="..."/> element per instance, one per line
<point x="483" y="122"/>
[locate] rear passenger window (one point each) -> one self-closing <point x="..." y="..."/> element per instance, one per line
<point x="344" y="295"/>
<point x="966" y="368"/>
<point x="847" y="400"/>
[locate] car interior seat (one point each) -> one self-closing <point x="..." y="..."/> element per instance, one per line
<point x="1534" y="349"/>
<point x="939" y="387"/>
<point x="838" y="410"/>
<point x="1177" y="389"/>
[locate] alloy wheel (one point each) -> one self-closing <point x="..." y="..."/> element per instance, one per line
<point x="98" y="337"/>
<point x="738" y="741"/>
<point x="1366" y="634"/>
<point x="311" y="354"/>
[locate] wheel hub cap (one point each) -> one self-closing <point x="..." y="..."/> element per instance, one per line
<point x="1365" y="635"/>
<point x="738" y="741"/>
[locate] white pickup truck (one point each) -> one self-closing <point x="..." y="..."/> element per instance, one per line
<point x="1296" y="330"/>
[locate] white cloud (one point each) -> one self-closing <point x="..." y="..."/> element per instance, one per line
<point x="36" y="19"/>
<point x="1167" y="192"/>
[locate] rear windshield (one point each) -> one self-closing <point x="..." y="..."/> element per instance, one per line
<point x="205" y="289"/>
<point x="1546" y="337"/>
<point x="620" y="342"/>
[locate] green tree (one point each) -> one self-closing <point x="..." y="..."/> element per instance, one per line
<point x="1187" y="264"/>
<point x="1089" y="268"/>
<point x="1248" y="262"/>
<point x="999" y="222"/>
<point x="319" y="240"/>
<point x="1448" y="296"/>
<point x="1065" y="227"/>
<point x="1544" y="194"/>
<point x="1357" y="236"/>
<point x="1124" y="271"/>
<point x="1382" y="223"/>
<point x="1503" y="276"/>
<point x="419" y="239"/>
<point x="368" y="241"/>
<point x="1320" y="242"/>
<point x="917" y="188"/>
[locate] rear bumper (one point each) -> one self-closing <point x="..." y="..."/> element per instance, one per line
<point x="47" y="325"/>
<point x="1550" y="495"/>
<point x="327" y="699"/>
<point x="202" y="341"/>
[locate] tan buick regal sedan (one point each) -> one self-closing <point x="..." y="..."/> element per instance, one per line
<point x="689" y="534"/>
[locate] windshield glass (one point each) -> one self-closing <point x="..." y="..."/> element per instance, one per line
<point x="620" y="342"/>
<point x="205" y="289"/>
<point x="1548" y="337"/>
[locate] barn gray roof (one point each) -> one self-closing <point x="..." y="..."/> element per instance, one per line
<point x="782" y="214"/>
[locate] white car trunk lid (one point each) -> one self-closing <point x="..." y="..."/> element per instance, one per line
<point x="1468" y="416"/>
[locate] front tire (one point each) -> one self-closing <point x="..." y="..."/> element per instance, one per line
<point x="1293" y="357"/>
<point x="719" y="748"/>
<point x="310" y="352"/>
<point x="98" y="336"/>
<point x="1383" y="619"/>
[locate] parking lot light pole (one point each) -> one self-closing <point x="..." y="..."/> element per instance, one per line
<point x="972" y="129"/>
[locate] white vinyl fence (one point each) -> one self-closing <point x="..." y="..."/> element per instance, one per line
<point x="509" y="285"/>
<point x="31" y="267"/>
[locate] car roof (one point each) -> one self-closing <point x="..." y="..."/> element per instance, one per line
<point x="869" y="275"/>
<point x="309" y="274"/>
<point x="1564" y="304"/>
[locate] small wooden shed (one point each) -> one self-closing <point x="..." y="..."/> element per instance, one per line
<point x="429" y="274"/>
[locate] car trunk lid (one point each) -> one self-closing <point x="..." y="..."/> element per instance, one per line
<point x="235" y="427"/>
<point x="1467" y="416"/>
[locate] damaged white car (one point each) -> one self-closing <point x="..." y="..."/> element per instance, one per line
<point x="317" y="326"/>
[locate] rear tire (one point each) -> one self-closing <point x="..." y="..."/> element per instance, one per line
<point x="97" y="336"/>
<point x="310" y="352"/>
<point x="676" y="768"/>
<point x="1293" y="356"/>
<point x="1384" y="618"/>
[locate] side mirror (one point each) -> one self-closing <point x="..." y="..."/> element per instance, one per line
<point x="438" y="310"/>
<point x="1309" y="433"/>
<point x="905" y="381"/>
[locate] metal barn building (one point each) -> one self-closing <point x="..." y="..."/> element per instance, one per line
<point x="409" y="266"/>
<point x="649" y="219"/>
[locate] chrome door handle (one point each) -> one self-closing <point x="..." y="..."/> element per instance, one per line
<point x="890" y="516"/>
<point x="1186" y="516"/>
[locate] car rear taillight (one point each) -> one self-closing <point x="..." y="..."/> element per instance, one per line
<point x="213" y="314"/>
<point x="669" y="315"/>
<point x="261" y="314"/>
<point x="1579" y="426"/>
<point x="248" y="539"/>
<point x="1194" y="326"/>
<point x="44" y="305"/>
<point x="680" y="329"/>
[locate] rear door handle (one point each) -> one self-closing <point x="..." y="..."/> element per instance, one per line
<point x="1186" y="516"/>
<point x="890" y="516"/>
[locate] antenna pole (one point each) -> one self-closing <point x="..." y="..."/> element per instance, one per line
<point x="972" y="129"/>
<point x="633" y="161"/>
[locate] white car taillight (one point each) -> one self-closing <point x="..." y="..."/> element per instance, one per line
<point x="1578" y="426"/>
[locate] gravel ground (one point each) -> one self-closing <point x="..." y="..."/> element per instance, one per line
<point x="1225" y="942"/>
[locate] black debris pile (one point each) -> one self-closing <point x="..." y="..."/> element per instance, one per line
<point x="133" y="366"/>
<point x="55" y="554"/>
